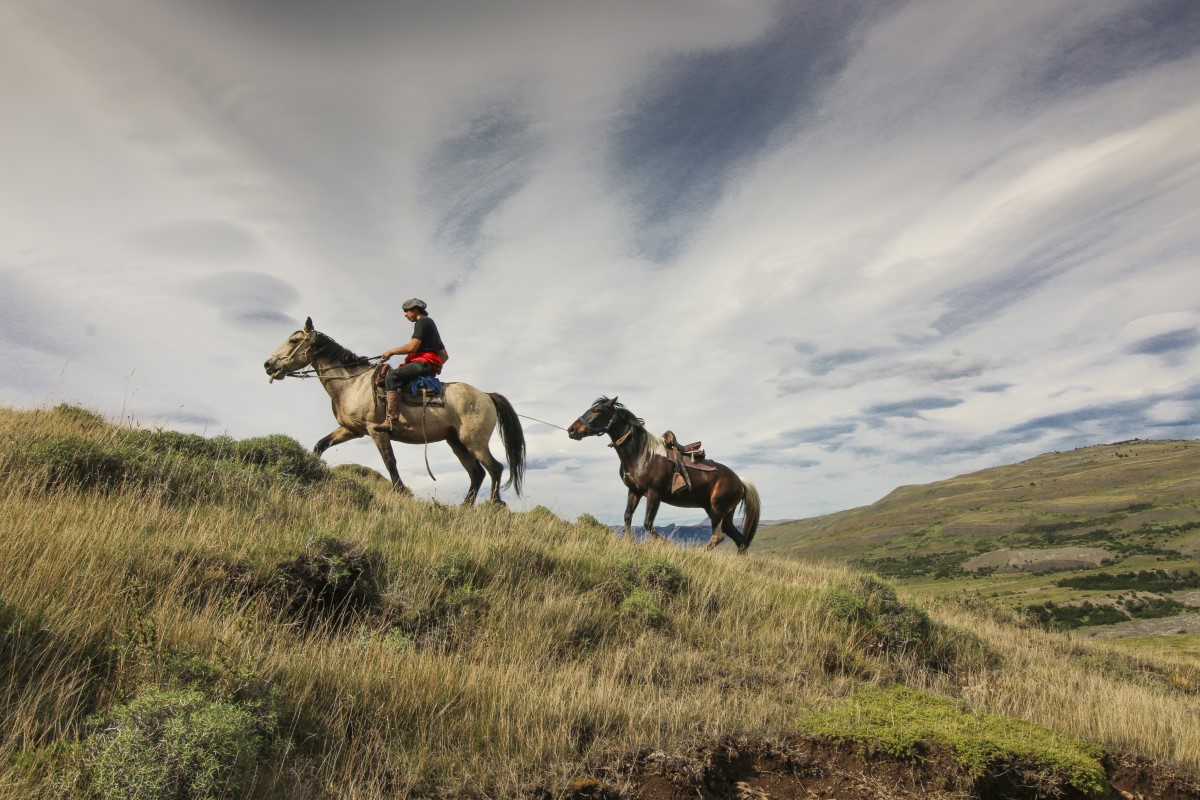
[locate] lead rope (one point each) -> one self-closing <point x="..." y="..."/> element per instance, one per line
<point x="535" y="419"/>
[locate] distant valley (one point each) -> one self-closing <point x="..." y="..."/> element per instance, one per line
<point x="1095" y="539"/>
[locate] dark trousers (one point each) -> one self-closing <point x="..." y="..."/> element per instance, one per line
<point x="398" y="377"/>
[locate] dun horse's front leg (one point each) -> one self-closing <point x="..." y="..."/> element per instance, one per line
<point x="384" y="444"/>
<point x="630" y="506"/>
<point x="342" y="434"/>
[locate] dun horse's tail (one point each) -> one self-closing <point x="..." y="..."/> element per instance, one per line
<point x="513" y="436"/>
<point x="752" y="507"/>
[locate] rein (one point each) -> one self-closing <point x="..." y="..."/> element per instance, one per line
<point x="313" y="372"/>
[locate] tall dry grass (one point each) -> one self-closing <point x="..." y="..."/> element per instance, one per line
<point x="496" y="653"/>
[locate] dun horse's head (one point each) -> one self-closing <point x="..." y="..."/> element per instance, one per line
<point x="295" y="353"/>
<point x="595" y="421"/>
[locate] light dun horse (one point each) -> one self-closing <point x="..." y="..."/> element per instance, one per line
<point x="648" y="472"/>
<point x="465" y="422"/>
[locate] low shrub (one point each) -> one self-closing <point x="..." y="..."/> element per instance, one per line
<point x="643" y="607"/>
<point x="454" y="569"/>
<point x="78" y="415"/>
<point x="282" y="456"/>
<point x="350" y="491"/>
<point x="654" y="574"/>
<point x="330" y="582"/>
<point x="75" y="462"/>
<point x="175" y="744"/>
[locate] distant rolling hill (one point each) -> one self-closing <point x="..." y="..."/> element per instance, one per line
<point x="1014" y="532"/>
<point x="1117" y="496"/>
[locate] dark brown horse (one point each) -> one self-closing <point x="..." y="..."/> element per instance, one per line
<point x="648" y="472"/>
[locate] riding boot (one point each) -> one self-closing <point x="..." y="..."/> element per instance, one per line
<point x="391" y="421"/>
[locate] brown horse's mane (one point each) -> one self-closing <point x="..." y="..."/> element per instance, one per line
<point x="639" y="438"/>
<point x="326" y="347"/>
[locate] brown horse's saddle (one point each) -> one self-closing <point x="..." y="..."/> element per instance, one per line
<point x="420" y="397"/>
<point x="683" y="457"/>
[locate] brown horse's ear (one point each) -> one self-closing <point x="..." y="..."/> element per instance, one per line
<point x="611" y="403"/>
<point x="308" y="326"/>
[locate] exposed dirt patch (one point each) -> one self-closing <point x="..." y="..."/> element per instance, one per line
<point x="1038" y="560"/>
<point x="807" y="767"/>
<point x="1137" y="778"/>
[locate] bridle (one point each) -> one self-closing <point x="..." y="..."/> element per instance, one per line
<point x="592" y="430"/>
<point x="314" y="372"/>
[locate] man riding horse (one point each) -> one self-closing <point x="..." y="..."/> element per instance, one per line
<point x="424" y="354"/>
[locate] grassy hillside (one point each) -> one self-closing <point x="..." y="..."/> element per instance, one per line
<point x="1116" y="526"/>
<point x="187" y="617"/>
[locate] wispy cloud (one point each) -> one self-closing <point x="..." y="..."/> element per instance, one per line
<point x="843" y="252"/>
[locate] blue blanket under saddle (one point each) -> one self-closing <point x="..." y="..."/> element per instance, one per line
<point x="429" y="383"/>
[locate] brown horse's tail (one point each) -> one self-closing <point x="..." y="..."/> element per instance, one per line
<point x="753" y="508"/>
<point x="513" y="436"/>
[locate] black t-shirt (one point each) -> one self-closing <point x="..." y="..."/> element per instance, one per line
<point x="427" y="332"/>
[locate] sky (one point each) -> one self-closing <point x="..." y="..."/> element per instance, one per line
<point x="848" y="245"/>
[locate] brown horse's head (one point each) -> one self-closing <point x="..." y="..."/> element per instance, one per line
<point x="295" y="353"/>
<point x="595" y="421"/>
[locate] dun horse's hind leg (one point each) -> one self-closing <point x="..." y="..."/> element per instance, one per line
<point x="470" y="464"/>
<point x="384" y="444"/>
<point x="484" y="460"/>
<point x="494" y="469"/>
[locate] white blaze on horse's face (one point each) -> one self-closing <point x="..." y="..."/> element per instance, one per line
<point x="295" y="353"/>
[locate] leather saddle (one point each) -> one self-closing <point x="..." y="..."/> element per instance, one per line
<point x="684" y="457"/>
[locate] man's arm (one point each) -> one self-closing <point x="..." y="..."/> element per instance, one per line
<point x="402" y="350"/>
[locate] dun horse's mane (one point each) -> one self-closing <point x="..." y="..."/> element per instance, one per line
<point x="325" y="347"/>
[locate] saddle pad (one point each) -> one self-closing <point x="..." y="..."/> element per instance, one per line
<point x="703" y="465"/>
<point x="425" y="398"/>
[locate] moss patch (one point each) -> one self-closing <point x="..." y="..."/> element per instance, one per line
<point x="903" y="722"/>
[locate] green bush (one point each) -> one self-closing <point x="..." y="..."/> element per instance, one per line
<point x="332" y="581"/>
<point x="454" y="569"/>
<point x="1056" y="617"/>
<point x="78" y="415"/>
<point x="643" y="607"/>
<point x="885" y="624"/>
<point x="351" y="491"/>
<point x="654" y="574"/>
<point x="282" y="456"/>
<point x="365" y="474"/>
<point x="75" y="462"/>
<point x="164" y="745"/>
<point x="185" y="444"/>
